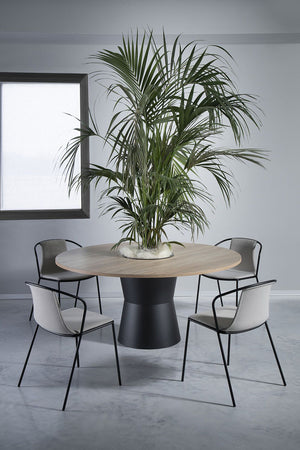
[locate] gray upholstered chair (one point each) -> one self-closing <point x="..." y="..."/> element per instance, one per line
<point x="72" y="322"/>
<point x="250" y="251"/>
<point x="252" y="312"/>
<point x="45" y="254"/>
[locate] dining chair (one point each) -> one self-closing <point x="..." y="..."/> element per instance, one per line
<point x="251" y="312"/>
<point x="45" y="253"/>
<point x="72" y="322"/>
<point x="250" y="251"/>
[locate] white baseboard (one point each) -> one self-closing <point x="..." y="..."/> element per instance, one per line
<point x="185" y="296"/>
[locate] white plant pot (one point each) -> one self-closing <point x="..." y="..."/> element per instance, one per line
<point x="135" y="252"/>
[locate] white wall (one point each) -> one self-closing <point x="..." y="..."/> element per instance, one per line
<point x="58" y="36"/>
<point x="176" y="16"/>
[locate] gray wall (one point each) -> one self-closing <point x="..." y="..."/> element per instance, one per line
<point x="264" y="39"/>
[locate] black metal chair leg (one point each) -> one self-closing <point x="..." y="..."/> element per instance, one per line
<point x="116" y="353"/>
<point x="99" y="297"/>
<point x="77" y="292"/>
<point x="71" y="374"/>
<point x="76" y="342"/>
<point x="31" y="312"/>
<point x="27" y="357"/>
<point x="197" y="296"/>
<point x="185" y="349"/>
<point x="226" y="369"/>
<point x="220" y="293"/>
<point x="275" y="354"/>
<point x="236" y="294"/>
<point x="228" y="349"/>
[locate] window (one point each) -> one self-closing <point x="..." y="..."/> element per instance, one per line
<point x="38" y="115"/>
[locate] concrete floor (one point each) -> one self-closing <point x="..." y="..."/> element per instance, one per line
<point x="153" y="409"/>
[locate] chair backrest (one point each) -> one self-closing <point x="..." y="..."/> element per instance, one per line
<point x="46" y="310"/>
<point x="253" y="307"/>
<point x="246" y="248"/>
<point x="50" y="249"/>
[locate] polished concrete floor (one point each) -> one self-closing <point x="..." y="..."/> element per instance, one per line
<point x="153" y="409"/>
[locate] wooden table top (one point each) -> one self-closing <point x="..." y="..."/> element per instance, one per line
<point x="192" y="259"/>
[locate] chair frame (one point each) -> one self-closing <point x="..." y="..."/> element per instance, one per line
<point x="77" y="336"/>
<point x="258" y="243"/>
<point x="64" y="281"/>
<point x="219" y="332"/>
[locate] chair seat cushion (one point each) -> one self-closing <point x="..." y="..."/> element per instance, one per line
<point x="230" y="274"/>
<point x="65" y="275"/>
<point x="73" y="317"/>
<point x="225" y="317"/>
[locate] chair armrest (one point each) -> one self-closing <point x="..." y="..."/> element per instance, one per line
<point x="73" y="242"/>
<point x="61" y="292"/>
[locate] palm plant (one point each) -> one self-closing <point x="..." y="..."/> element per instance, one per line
<point x="170" y="104"/>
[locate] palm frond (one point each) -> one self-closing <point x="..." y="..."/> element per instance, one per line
<point x="170" y="103"/>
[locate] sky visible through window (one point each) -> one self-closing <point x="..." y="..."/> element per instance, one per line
<point x="36" y="122"/>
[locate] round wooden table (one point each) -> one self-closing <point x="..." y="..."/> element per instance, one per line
<point x="149" y="318"/>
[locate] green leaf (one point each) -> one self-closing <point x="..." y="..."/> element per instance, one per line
<point x="171" y="105"/>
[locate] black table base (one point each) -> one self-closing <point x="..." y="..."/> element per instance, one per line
<point x="148" y="318"/>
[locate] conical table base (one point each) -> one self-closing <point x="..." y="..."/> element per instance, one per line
<point x="148" y="318"/>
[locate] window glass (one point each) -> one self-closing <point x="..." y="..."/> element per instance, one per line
<point x="37" y="119"/>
